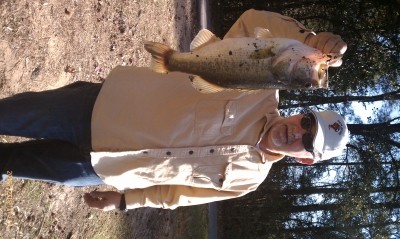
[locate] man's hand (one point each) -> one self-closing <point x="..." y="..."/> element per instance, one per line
<point x="327" y="42"/>
<point x="105" y="201"/>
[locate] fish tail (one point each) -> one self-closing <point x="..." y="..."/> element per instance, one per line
<point x="160" y="55"/>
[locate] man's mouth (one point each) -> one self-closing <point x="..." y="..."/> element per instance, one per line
<point x="286" y="140"/>
<point x="280" y="135"/>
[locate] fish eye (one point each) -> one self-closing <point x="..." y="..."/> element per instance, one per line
<point x="307" y="85"/>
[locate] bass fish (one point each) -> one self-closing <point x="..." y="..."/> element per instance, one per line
<point x="245" y="63"/>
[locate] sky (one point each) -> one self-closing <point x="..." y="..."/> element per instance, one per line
<point x="365" y="111"/>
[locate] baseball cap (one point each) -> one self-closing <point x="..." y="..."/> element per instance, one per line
<point x="331" y="135"/>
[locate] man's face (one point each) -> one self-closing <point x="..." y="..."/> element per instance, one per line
<point x="285" y="137"/>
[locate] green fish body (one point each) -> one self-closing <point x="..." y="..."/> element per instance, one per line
<point x="245" y="64"/>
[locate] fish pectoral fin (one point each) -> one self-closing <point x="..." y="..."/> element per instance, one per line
<point x="204" y="86"/>
<point x="262" y="33"/>
<point x="203" y="38"/>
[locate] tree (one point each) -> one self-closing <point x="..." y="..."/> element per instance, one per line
<point x="354" y="196"/>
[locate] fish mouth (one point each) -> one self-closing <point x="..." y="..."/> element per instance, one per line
<point x="323" y="75"/>
<point x="330" y="60"/>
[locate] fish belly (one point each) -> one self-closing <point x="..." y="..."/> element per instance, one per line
<point x="243" y="63"/>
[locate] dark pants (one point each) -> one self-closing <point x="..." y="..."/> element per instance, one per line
<point x="60" y="120"/>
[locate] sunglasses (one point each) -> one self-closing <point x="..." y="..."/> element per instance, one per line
<point x="308" y="138"/>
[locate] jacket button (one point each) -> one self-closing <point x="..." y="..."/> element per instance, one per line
<point x="168" y="153"/>
<point x="191" y="152"/>
<point x="211" y="150"/>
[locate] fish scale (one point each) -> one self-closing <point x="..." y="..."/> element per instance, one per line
<point x="245" y="64"/>
<point x="244" y="72"/>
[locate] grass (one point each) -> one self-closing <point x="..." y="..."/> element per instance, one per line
<point x="198" y="225"/>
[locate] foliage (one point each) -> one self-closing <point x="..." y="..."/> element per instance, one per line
<point x="354" y="196"/>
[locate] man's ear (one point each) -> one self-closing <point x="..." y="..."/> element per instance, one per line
<point x="307" y="161"/>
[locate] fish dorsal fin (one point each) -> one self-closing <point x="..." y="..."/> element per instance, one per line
<point x="204" y="86"/>
<point x="203" y="38"/>
<point x="262" y="33"/>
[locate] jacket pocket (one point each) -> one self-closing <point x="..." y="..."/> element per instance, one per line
<point x="215" y="117"/>
<point x="210" y="176"/>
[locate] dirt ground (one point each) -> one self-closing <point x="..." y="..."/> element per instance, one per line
<point x="47" y="44"/>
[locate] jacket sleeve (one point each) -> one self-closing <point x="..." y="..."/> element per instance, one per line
<point x="277" y="24"/>
<point x="173" y="196"/>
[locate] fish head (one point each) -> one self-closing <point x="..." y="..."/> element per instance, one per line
<point x="311" y="70"/>
<point x="303" y="67"/>
<point x="310" y="73"/>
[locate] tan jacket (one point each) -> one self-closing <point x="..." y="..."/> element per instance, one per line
<point x="167" y="145"/>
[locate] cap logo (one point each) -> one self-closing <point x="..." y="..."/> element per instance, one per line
<point x="337" y="127"/>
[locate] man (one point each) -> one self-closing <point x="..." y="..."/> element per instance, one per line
<point x="159" y="140"/>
